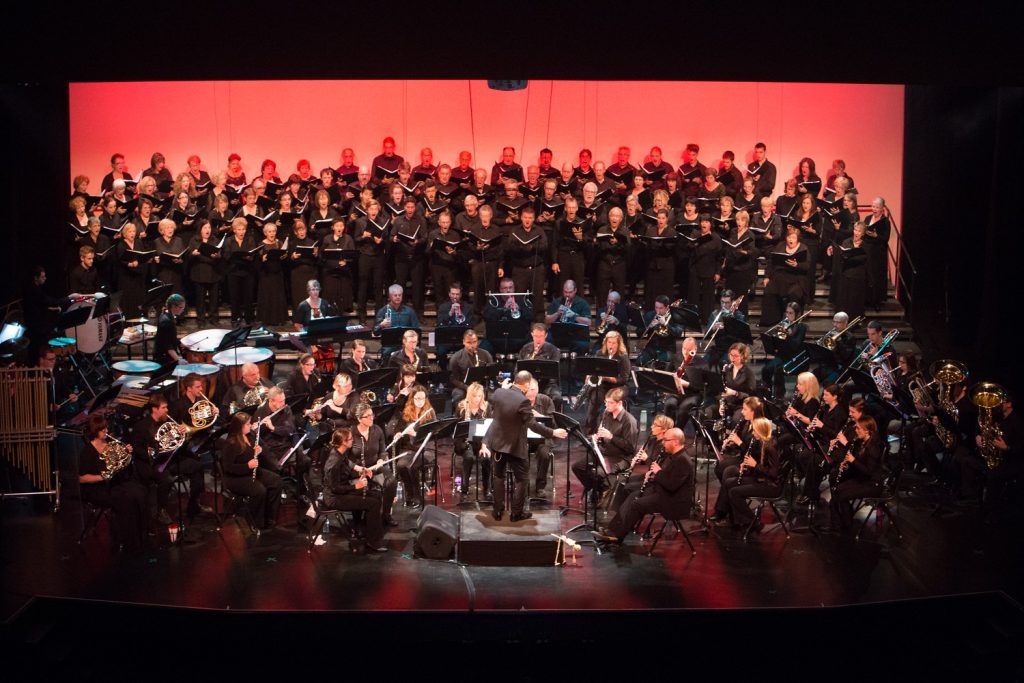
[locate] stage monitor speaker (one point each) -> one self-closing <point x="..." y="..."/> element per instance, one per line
<point x="437" y="532"/>
<point x="507" y="85"/>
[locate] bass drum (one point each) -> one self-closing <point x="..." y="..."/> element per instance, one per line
<point x="96" y="334"/>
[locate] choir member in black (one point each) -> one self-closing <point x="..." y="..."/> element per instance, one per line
<point x="405" y="181"/>
<point x="394" y="314"/>
<point x="533" y="187"/>
<point x="614" y="348"/>
<point x="235" y="175"/>
<point x="808" y="219"/>
<point x="369" y="234"/>
<point x="591" y="208"/>
<point x="544" y="166"/>
<point x="614" y="316"/>
<point x="433" y="205"/>
<point x="276" y="425"/>
<point x="605" y="185"/>
<point x="655" y="169"/>
<point x="549" y="207"/>
<point x="570" y="244"/>
<point x="538" y="348"/>
<point x="739" y="380"/>
<point x="287" y="212"/>
<point x="347" y="486"/>
<point x="358" y="362"/>
<point x="125" y="203"/>
<point x="79" y="220"/>
<point x="348" y="172"/>
<point x="301" y="262"/>
<point x="271" y="305"/>
<point x="692" y="172"/>
<point x="876" y="234"/>
<point x="807" y="180"/>
<point x="204" y="272"/>
<point x="84" y="277"/>
<point x="171" y="259"/>
<point x="525" y="256"/>
<point x="463" y="173"/>
<point x="737" y="442"/>
<point x="858" y="475"/>
<point x="739" y="264"/>
<point x="221" y="214"/>
<point x="125" y="496"/>
<point x="248" y="392"/>
<point x="394" y="204"/>
<point x="239" y="457"/>
<point x="667" y="490"/>
<point x="506" y="443"/>
<point x="567" y="185"/>
<point x="584" y="172"/>
<point x="660" y="246"/>
<point x="146" y="452"/>
<point x="616" y="432"/>
<point x="756" y="475"/>
<point x="322" y="216"/>
<point x="468" y="216"/>
<point x="131" y="274"/>
<point x="687" y="365"/>
<point x="385" y="165"/>
<point x="834" y="218"/>
<point x="473" y="407"/>
<point x="612" y="244"/>
<point x="660" y="333"/>
<point x="746" y="199"/>
<point x="410" y="353"/>
<point x="119" y="171"/>
<point x="767" y="225"/>
<point x="710" y="192"/>
<point x="843" y="222"/>
<point x="400" y="392"/>
<point x="416" y="412"/>
<point x="110" y="219"/>
<point x="832" y="418"/>
<point x="304" y="380"/>
<point x="507" y="168"/>
<point x="158" y="170"/>
<point x="479" y="188"/>
<point x="762" y="171"/>
<point x="339" y="408"/>
<point x="705" y="262"/>
<point x="787" y="202"/>
<point x="723" y="218"/>
<point x="644" y="196"/>
<point x="239" y="257"/>
<point x="838" y="171"/>
<point x="621" y="174"/>
<point x="486" y="240"/>
<point x="336" y="270"/>
<point x="789" y="343"/>
<point x="785" y="282"/>
<point x="469" y="356"/>
<point x="444" y="247"/>
<point x="541" y="405"/>
<point x="508" y="205"/>
<point x="853" y="274"/>
<point x="184" y="215"/>
<point x="199" y="176"/>
<point x="166" y="348"/>
<point x="409" y="234"/>
<point x="101" y="246"/>
<point x="570" y="308"/>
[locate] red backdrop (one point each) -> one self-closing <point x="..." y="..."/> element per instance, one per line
<point x="289" y="120"/>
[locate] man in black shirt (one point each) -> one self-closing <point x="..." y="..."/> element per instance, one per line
<point x="538" y="348"/>
<point x="84" y="277"/>
<point x="276" y="425"/>
<point x="469" y="356"/>
<point x="409" y="234"/>
<point x="385" y="166"/>
<point x="762" y="171"/>
<point x="507" y="168"/>
<point x="145" y="451"/>
<point x="616" y="437"/>
<point x="166" y="349"/>
<point x="185" y="461"/>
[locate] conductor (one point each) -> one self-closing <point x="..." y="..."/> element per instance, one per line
<point x="506" y="441"/>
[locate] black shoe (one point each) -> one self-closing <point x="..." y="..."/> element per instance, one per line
<point x="497" y="514"/>
<point x="521" y="516"/>
<point x="373" y="549"/>
<point x="389" y="521"/>
<point x="414" y="503"/>
<point x="718" y="517"/>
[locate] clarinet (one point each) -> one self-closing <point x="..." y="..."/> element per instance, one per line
<point x="650" y="475"/>
<point x="844" y="466"/>
<point x="750" y="447"/>
<point x="832" y="447"/>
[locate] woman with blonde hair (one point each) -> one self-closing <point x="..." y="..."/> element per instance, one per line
<point x="756" y="475"/>
<point x="473" y="407"/>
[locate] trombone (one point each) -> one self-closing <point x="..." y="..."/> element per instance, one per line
<point x="780" y="330"/>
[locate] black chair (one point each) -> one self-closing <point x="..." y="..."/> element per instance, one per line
<point x="322" y="515"/>
<point x="91" y="516"/>
<point x="680" y="509"/>
<point x="232" y="503"/>
<point x="880" y="503"/>
<point x="784" y="476"/>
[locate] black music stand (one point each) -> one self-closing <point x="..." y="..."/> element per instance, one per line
<point x="685" y="314"/>
<point x="596" y="366"/>
<point x="156" y="298"/>
<point x="449" y="335"/>
<point x="594" y="458"/>
<point x="735" y="330"/>
<point x="483" y="374"/>
<point x="332" y="325"/>
<point x="657" y="381"/>
<point x="566" y="336"/>
<point x="709" y="444"/>
<point x="542" y="370"/>
<point x="635" y="317"/>
<point x="381" y="378"/>
<point x="391" y="338"/>
<point x="508" y="336"/>
<point x="432" y="431"/>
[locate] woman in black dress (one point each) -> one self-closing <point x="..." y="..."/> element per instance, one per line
<point x="271" y="305"/>
<point x="785" y="281"/>
<point x="367" y="449"/>
<point x="221" y="215"/>
<point x="473" y="407"/>
<point x="184" y="214"/>
<point x="205" y="273"/>
<point x="660" y="246"/>
<point x="876" y="234"/>
<point x="807" y="218"/>
<point x="239" y="458"/>
<point x="238" y="260"/>
<point x="348" y="486"/>
<point x="853" y="273"/>
<point x="739" y="269"/>
<point x="807" y="180"/>
<point x="843" y="222"/>
<point x="170" y="268"/>
<point x="301" y="262"/>
<point x="322" y="216"/>
<point x="131" y="272"/>
<point x="756" y="475"/>
<point x="336" y="272"/>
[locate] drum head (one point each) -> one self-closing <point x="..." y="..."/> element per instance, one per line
<point x="196" y="369"/>
<point x="241" y="355"/>
<point x="204" y="341"/>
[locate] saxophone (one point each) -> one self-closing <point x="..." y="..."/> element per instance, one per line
<point x="988" y="395"/>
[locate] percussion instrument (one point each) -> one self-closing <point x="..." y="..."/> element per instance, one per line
<point x="98" y="332"/>
<point x="62" y="347"/>
<point x="232" y="361"/>
<point x="135" y="333"/>
<point x="200" y="346"/>
<point x="208" y="371"/>
<point x="140" y="368"/>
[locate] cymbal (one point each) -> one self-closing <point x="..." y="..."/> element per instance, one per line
<point x="139" y="321"/>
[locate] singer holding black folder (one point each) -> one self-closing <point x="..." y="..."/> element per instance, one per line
<point x="853" y="273"/>
<point x="786" y="277"/>
<point x="408" y="238"/>
<point x="303" y="252"/>
<point x="239" y="254"/>
<point x="660" y="245"/>
<point x="337" y="270"/>
<point x="204" y="269"/>
<point x="369" y="233"/>
<point x="271" y="306"/>
<point x="705" y="261"/>
<point x="131" y="275"/>
<point x="525" y="255"/>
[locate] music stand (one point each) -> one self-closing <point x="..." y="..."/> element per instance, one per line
<point x="594" y="458"/>
<point x="233" y="339"/>
<point x="482" y="374"/>
<point x="567" y="336"/>
<point x="433" y="431"/>
<point x="449" y="335"/>
<point x="507" y="336"/>
<point x="702" y="431"/>
<point x="383" y="414"/>
<point x="635" y="317"/>
<point x="391" y="337"/>
<point x="542" y="370"/>
<point x="373" y="379"/>
<point x="597" y="366"/>
<point x="656" y="381"/>
<point x="156" y="297"/>
<point x="684" y="314"/>
<point x="736" y="330"/>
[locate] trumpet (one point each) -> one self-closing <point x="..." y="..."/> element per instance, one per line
<point x="513" y="308"/>
<point x="603" y="325"/>
<point x="458" y="317"/>
<point x="566" y="310"/>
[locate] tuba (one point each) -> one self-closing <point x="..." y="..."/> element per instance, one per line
<point x="988" y="395"/>
<point x="115" y="457"/>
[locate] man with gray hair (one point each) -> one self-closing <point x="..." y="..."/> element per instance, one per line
<point x="844" y="350"/>
<point x="394" y="314"/>
<point x="276" y="425"/>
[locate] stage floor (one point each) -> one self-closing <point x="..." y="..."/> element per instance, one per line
<point x="952" y="552"/>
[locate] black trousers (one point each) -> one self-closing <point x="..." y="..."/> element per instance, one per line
<point x="128" y="501"/>
<point x="679" y="407"/>
<point x="485" y="279"/>
<point x="146" y="473"/>
<point x="207" y="299"/>
<point x="410" y="472"/>
<point x="589" y="472"/>
<point x="543" y="457"/>
<point x="190" y="468"/>
<point x="298" y="465"/>
<point x="264" y="494"/>
<point x="240" y="291"/>
<point x="371" y="283"/>
<point x="571" y="267"/>
<point x="773" y="376"/>
<point x="841" y="505"/>
<point x="520" y="468"/>
<point x="470" y="453"/>
<point x="531" y="280"/>
<point x="734" y="494"/>
<point x="702" y="292"/>
<point x="370" y="505"/>
<point x="635" y="507"/>
<point x="443" y="275"/>
<point x="412" y="270"/>
<point x="658" y="282"/>
<point x="610" y="278"/>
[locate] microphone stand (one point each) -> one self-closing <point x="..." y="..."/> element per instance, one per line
<point x="710" y="445"/>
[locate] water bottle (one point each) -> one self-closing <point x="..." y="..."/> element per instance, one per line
<point x="400" y="493"/>
<point x="458" y="483"/>
<point x="643" y="420"/>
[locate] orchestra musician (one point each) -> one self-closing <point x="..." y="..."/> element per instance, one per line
<point x="84" y="277"/>
<point x="824" y="428"/>
<point x="239" y="456"/>
<point x="453" y="312"/>
<point x="728" y="308"/>
<point x="394" y="314"/>
<point x="277" y="425"/>
<point x="687" y="364"/>
<point x="668" y="490"/>
<point x="357" y="363"/>
<point x="614" y="348"/>
<point x="473" y="407"/>
<point x="858" y="475"/>
<point x="410" y="353"/>
<point x="845" y="350"/>
<point x="248" y="392"/>
<point x="469" y="356"/>
<point x="538" y="348"/>
<point x="616" y="432"/>
<point x="304" y="380"/>
<point x="339" y="408"/>
<point x="772" y="374"/>
<point x="615" y="316"/>
<point x="650" y="452"/>
<point x="369" y="447"/>
<point x="759" y="476"/>
<point x="506" y="443"/>
<point x="399" y="393"/>
<point x="347" y="486"/>
<point x="122" y="494"/>
<point x="145" y="452"/>
<point x="802" y="409"/>
<point x="570" y="308"/>
<point x="416" y="412"/>
<point x="660" y="333"/>
<point x="736" y="443"/>
<point x="166" y="347"/>
<point x="542" y="406"/>
<point x="739" y="381"/>
<point x="180" y="411"/>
